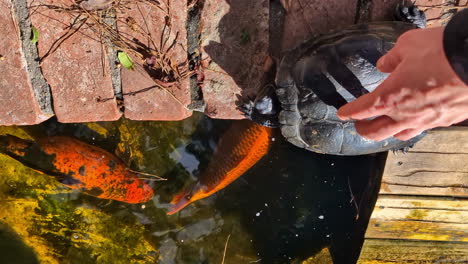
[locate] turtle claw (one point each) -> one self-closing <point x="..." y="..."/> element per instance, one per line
<point x="411" y="14"/>
<point x="247" y="108"/>
<point x="403" y="150"/>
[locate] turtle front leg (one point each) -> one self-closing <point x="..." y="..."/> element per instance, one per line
<point x="411" y="14"/>
<point x="264" y="109"/>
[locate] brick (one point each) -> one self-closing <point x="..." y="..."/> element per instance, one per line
<point x="77" y="70"/>
<point x="436" y="11"/>
<point x="136" y="22"/>
<point x="18" y="104"/>
<point x="234" y="46"/>
<point x="305" y="18"/>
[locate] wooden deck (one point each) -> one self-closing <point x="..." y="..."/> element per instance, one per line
<point x="421" y="215"/>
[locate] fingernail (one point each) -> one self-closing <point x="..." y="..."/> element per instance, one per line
<point x="344" y="118"/>
<point x="381" y="62"/>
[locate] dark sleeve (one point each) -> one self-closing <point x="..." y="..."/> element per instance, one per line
<point x="456" y="44"/>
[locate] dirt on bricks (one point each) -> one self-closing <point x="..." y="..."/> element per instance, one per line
<point x="64" y="57"/>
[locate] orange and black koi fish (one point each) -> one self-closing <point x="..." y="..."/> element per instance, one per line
<point x="79" y="166"/>
<point x="243" y="145"/>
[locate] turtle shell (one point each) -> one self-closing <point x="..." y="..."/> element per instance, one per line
<point x="324" y="73"/>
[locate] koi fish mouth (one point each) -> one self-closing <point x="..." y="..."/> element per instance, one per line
<point x="179" y="204"/>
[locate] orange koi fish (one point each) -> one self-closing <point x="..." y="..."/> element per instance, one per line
<point x="79" y="166"/>
<point x="241" y="147"/>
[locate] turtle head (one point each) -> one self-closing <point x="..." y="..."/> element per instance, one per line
<point x="264" y="109"/>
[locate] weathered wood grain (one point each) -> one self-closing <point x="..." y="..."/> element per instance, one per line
<point x="437" y="165"/>
<point x="421" y="202"/>
<point x="415" y="218"/>
<point x="444" y="140"/>
<point x="379" y="251"/>
<point x="417" y="230"/>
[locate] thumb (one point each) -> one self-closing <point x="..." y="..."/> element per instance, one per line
<point x="389" y="61"/>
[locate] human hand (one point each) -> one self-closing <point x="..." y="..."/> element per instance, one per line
<point x="422" y="91"/>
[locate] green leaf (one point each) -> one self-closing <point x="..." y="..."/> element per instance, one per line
<point x="35" y="36"/>
<point x="125" y="60"/>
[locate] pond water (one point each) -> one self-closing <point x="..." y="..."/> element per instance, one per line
<point x="293" y="204"/>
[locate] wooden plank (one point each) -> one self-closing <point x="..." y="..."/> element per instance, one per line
<point x="426" y="183"/>
<point x="378" y="251"/>
<point x="437" y="166"/>
<point x="430" y="225"/>
<point x="444" y="140"/>
<point x="421" y="202"/>
<point x="417" y="230"/>
<point x="406" y="164"/>
<point x="426" y="174"/>
<point x="415" y="218"/>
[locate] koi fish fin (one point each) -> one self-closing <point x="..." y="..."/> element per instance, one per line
<point x="68" y="180"/>
<point x="9" y="143"/>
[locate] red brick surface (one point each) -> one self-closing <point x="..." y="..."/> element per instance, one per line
<point x="158" y="103"/>
<point x="234" y="46"/>
<point x="305" y="18"/>
<point x="18" y="105"/>
<point x="436" y="11"/>
<point x="77" y="71"/>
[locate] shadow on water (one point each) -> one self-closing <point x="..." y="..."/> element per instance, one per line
<point x="287" y="207"/>
<point x="13" y="250"/>
<point x="295" y="203"/>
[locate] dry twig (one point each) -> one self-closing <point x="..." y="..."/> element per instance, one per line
<point x="225" y="248"/>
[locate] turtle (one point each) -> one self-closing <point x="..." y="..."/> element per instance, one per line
<point x="323" y="73"/>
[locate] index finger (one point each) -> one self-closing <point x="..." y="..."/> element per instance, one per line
<point x="372" y="104"/>
<point x="364" y="107"/>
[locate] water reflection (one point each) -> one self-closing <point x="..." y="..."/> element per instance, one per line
<point x="286" y="208"/>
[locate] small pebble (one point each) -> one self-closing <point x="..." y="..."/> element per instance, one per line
<point x="321" y="217"/>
